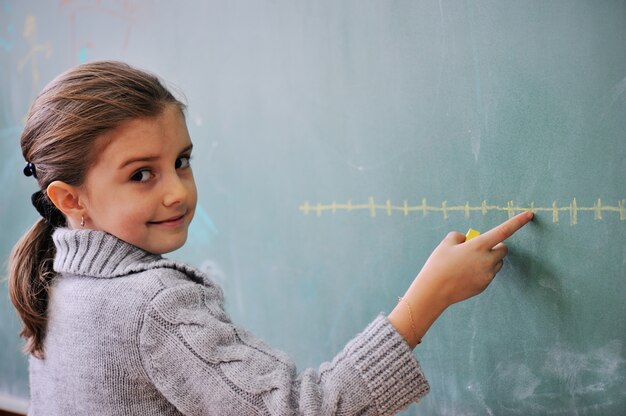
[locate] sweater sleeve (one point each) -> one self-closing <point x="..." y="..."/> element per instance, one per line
<point x="202" y="363"/>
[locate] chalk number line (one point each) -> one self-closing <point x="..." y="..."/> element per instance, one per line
<point x="599" y="209"/>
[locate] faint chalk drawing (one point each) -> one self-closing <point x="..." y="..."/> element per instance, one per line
<point x="36" y="48"/>
<point x="125" y="11"/>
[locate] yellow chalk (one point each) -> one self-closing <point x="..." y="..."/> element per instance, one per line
<point x="471" y="233"/>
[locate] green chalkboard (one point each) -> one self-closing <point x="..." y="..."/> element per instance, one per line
<point x="337" y="142"/>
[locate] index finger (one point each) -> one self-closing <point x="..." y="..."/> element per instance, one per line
<point x="503" y="231"/>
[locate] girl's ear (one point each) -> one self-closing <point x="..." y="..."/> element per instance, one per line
<point x="66" y="198"/>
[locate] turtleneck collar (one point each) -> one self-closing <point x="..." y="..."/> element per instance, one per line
<point x="98" y="254"/>
<point x="102" y="255"/>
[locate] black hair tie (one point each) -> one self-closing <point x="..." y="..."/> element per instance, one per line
<point x="30" y="170"/>
<point x="47" y="210"/>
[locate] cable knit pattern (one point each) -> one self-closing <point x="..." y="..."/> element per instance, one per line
<point x="132" y="333"/>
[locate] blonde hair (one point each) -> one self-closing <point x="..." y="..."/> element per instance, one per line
<point x="59" y="139"/>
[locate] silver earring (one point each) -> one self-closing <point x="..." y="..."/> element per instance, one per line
<point x="82" y="221"/>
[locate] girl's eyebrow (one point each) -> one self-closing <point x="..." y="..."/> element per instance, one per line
<point x="150" y="158"/>
<point x="187" y="149"/>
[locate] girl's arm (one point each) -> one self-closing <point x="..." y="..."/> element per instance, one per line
<point x="455" y="271"/>
<point x="201" y="363"/>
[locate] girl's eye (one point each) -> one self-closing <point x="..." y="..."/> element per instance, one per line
<point x="182" y="162"/>
<point x="141" y="176"/>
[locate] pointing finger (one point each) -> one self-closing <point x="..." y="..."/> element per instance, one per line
<point x="503" y="231"/>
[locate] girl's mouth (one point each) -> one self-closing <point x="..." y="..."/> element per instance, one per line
<point x="170" y="222"/>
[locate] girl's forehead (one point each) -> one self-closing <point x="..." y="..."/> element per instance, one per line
<point x="164" y="132"/>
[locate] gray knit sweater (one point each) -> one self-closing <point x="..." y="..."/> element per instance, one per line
<point x="132" y="333"/>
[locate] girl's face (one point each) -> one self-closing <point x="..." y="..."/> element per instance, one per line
<point x="141" y="188"/>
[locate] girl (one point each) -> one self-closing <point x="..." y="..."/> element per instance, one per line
<point x="114" y="328"/>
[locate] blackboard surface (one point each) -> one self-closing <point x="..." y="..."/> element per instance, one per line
<point x="337" y="142"/>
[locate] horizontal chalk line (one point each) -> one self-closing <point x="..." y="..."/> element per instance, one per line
<point x="598" y="208"/>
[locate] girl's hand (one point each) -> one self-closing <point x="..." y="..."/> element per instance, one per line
<point x="456" y="270"/>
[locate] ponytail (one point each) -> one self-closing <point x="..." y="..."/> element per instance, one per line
<point x="30" y="275"/>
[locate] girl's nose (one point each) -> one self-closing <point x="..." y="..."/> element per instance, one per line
<point x="175" y="190"/>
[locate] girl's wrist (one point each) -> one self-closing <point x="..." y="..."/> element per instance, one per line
<point x="417" y="310"/>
